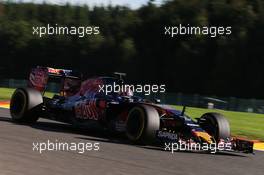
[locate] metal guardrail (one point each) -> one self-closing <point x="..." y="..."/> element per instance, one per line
<point x="14" y="83"/>
<point x="193" y="100"/>
<point x="225" y="103"/>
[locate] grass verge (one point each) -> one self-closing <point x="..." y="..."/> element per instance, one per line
<point x="6" y="93"/>
<point x="243" y="124"/>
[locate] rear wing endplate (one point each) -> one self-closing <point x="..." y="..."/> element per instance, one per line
<point x="38" y="77"/>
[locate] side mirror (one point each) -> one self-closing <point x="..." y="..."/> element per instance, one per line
<point x="157" y="101"/>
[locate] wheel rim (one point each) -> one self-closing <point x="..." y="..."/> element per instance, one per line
<point x="17" y="104"/>
<point x="135" y="124"/>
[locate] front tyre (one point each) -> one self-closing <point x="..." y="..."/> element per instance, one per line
<point x="25" y="105"/>
<point x="216" y="125"/>
<point x="142" y="124"/>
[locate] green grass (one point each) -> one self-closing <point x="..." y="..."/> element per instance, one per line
<point x="248" y="125"/>
<point x="6" y="93"/>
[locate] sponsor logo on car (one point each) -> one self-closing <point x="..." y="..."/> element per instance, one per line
<point x="167" y="135"/>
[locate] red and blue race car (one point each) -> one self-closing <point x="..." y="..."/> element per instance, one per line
<point x="82" y="104"/>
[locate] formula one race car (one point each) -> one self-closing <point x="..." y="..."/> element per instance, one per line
<point x="82" y="104"/>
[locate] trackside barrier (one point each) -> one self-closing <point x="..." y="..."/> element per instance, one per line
<point x="225" y="103"/>
<point x="14" y="83"/>
<point x="194" y="100"/>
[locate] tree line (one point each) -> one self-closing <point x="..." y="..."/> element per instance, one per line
<point x="133" y="41"/>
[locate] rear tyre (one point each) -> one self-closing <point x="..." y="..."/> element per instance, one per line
<point x="25" y="105"/>
<point x="142" y="124"/>
<point x="216" y="125"/>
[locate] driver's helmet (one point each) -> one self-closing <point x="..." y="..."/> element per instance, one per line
<point x="128" y="92"/>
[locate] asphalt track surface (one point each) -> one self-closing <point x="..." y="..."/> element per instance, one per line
<point x="116" y="156"/>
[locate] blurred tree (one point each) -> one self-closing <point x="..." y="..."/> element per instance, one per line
<point x="133" y="41"/>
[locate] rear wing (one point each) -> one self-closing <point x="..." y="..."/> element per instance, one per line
<point x="39" y="76"/>
<point x="62" y="73"/>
